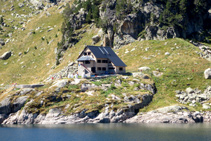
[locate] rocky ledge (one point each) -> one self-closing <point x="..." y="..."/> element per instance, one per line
<point x="56" y="115"/>
<point x="65" y="101"/>
<point x="171" y="114"/>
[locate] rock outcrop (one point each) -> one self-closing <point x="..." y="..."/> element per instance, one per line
<point x="55" y="116"/>
<point x="180" y="117"/>
<point x="37" y="3"/>
<point x="205" y="50"/>
<point x="193" y="96"/>
<point x="95" y="39"/>
<point x="170" y="114"/>
<point x="29" y="86"/>
<point x="72" y="68"/>
<point x="5" y="106"/>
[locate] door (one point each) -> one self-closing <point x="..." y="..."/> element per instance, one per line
<point x="93" y="69"/>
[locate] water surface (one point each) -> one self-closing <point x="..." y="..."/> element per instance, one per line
<point x="104" y="132"/>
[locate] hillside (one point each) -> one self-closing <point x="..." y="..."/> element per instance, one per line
<point x="181" y="68"/>
<point x="44" y="39"/>
<point x="33" y="42"/>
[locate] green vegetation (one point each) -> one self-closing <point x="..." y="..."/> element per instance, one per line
<point x="1" y="20"/>
<point x="181" y="69"/>
<point x="176" y="12"/>
<point x="30" y="67"/>
<point x="71" y="100"/>
<point x="123" y="7"/>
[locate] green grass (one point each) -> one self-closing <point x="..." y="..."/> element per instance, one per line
<point x="180" y="71"/>
<point x="40" y="53"/>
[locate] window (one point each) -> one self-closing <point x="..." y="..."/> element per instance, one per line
<point x="86" y="72"/>
<point x="111" y="68"/>
<point x="104" y="61"/>
<point x="85" y="53"/>
<point x="89" y="53"/>
<point x="87" y="62"/>
<point x="121" y="69"/>
<point x="104" y="69"/>
<point x="99" y="68"/>
<point x="98" y="61"/>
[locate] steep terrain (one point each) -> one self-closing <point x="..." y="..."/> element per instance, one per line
<point x="34" y="37"/>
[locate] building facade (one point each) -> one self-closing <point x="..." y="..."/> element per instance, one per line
<point x="96" y="60"/>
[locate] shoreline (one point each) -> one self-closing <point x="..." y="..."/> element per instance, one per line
<point x="152" y="117"/>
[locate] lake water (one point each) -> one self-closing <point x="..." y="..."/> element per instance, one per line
<point x="107" y="132"/>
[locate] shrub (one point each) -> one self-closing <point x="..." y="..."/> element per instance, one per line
<point x="1" y="20"/>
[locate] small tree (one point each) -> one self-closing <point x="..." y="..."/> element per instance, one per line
<point x="95" y="13"/>
<point x="1" y="20"/>
<point x="89" y="16"/>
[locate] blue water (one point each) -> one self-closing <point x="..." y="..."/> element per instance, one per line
<point x="107" y="132"/>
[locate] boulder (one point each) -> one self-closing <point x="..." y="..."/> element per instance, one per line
<point x="178" y="91"/>
<point x="96" y="39"/>
<point x="6" y="55"/>
<point x="207" y="73"/>
<point x="2" y="42"/>
<point x="189" y="90"/>
<point x="157" y="73"/>
<point x="20" y="5"/>
<point x="167" y="53"/>
<point x="50" y="29"/>
<point x="38" y="4"/>
<point x="137" y="74"/>
<point x="143" y="68"/>
<point x="205" y="106"/>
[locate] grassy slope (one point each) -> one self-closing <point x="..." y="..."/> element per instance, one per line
<point x="72" y="53"/>
<point x="182" y="68"/>
<point x="36" y="60"/>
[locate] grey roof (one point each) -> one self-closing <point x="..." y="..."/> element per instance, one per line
<point x="107" y="52"/>
<point x="85" y="58"/>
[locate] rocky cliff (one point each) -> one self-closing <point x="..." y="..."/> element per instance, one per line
<point x="126" y="21"/>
